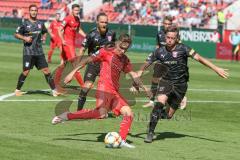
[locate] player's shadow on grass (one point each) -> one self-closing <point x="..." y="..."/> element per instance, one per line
<point x="169" y="135"/>
<point x="39" y="92"/>
<point x="100" y="137"/>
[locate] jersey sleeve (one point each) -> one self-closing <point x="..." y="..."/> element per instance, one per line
<point x="64" y="22"/>
<point x="51" y="26"/>
<point x="128" y="66"/>
<point x="152" y="57"/>
<point x="86" y="42"/>
<point x="20" y="29"/>
<point x="114" y="37"/>
<point x="98" y="56"/>
<point x="190" y="52"/>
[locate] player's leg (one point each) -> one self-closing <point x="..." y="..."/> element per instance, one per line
<point x="50" y="52"/>
<point x="70" y="53"/>
<point x="42" y="65"/>
<point x="158" y="71"/>
<point x="27" y="66"/>
<point x="183" y="104"/>
<point x="120" y="106"/>
<point x="90" y="75"/>
<point x="125" y="125"/>
<point x="97" y="113"/>
<point x="101" y="110"/>
<point x="103" y="100"/>
<point x="155" y="116"/>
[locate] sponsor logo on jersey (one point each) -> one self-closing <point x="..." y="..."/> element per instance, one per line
<point x="109" y="38"/>
<point x="39" y="26"/>
<point x="174" y="54"/>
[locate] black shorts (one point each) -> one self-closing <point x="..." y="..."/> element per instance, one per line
<point x="159" y="70"/>
<point x="174" y="92"/>
<point x="29" y="61"/>
<point x="91" y="72"/>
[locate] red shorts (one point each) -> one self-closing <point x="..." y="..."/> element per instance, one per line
<point x="68" y="52"/>
<point x="55" y="43"/>
<point x="111" y="100"/>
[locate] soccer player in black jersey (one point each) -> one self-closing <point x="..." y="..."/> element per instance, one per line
<point x="173" y="85"/>
<point x="161" y="41"/>
<point x="95" y="40"/>
<point x="33" y="32"/>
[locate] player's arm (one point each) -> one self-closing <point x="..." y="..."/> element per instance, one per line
<point x="138" y="82"/>
<point x="24" y="38"/>
<point x="61" y="30"/>
<point x="80" y="31"/>
<point x="98" y="56"/>
<point x="19" y="34"/>
<point x="82" y="63"/>
<point x="85" y="45"/>
<point x="220" y="71"/>
<point x="151" y="58"/>
<point x="49" y="29"/>
<point x="44" y="33"/>
<point x="60" y="33"/>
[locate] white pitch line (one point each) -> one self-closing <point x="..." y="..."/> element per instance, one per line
<point x="6" y="96"/>
<point x="93" y="100"/>
<point x="215" y="90"/>
<point x="3" y="97"/>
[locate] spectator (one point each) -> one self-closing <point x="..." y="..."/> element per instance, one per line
<point x="46" y="4"/>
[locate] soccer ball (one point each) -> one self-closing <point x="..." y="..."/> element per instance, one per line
<point x="112" y="140"/>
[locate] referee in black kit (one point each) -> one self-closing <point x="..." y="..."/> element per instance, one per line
<point x="33" y="32"/>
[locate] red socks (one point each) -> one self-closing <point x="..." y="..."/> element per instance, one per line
<point x="50" y="52"/>
<point x="79" y="78"/>
<point x="125" y="126"/>
<point x="84" y="114"/>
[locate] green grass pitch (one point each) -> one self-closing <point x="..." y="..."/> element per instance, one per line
<point x="207" y="130"/>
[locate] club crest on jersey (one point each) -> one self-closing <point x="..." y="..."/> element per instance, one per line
<point x="39" y="26"/>
<point x="109" y="38"/>
<point x="174" y="54"/>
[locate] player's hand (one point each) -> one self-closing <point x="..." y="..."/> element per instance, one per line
<point x="43" y="40"/>
<point x="28" y="39"/>
<point x="134" y="90"/>
<point x="68" y="78"/>
<point x="222" y="72"/>
<point x="148" y="92"/>
<point x="139" y="73"/>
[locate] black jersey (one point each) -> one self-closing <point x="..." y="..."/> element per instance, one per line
<point x="176" y="62"/>
<point x="161" y="38"/>
<point x="34" y="30"/>
<point x="94" y="41"/>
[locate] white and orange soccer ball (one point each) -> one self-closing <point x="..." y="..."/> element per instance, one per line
<point x="112" y="140"/>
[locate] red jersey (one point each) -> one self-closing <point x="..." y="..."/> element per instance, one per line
<point x="111" y="67"/>
<point x="54" y="28"/>
<point x="70" y="25"/>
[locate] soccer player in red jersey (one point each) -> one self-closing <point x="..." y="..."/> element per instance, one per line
<point x="55" y="39"/>
<point x="67" y="32"/>
<point x="113" y="61"/>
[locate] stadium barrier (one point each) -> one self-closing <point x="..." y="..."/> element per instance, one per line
<point x="144" y="40"/>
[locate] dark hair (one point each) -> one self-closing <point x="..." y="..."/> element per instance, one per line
<point x="168" y="18"/>
<point x="75" y="5"/>
<point x="173" y="28"/>
<point x="32" y="5"/>
<point x="125" y="38"/>
<point x="101" y="14"/>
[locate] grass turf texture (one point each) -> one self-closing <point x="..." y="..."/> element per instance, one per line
<point x="203" y="131"/>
